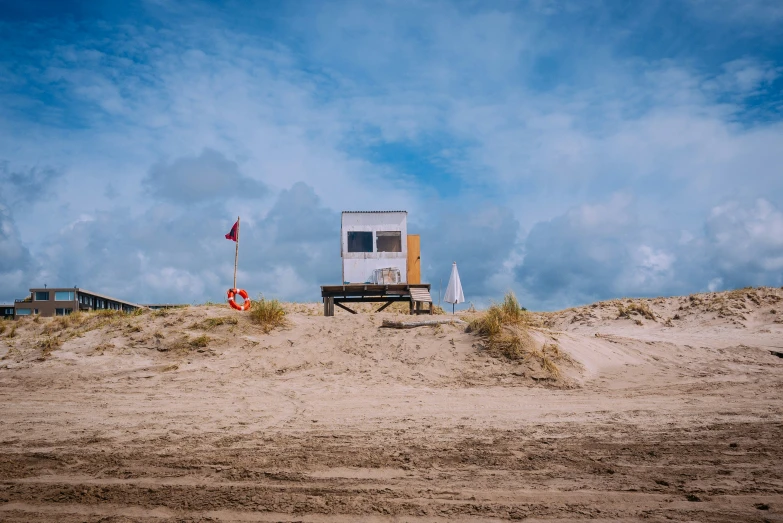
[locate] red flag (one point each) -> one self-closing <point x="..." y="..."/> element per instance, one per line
<point x="233" y="234"/>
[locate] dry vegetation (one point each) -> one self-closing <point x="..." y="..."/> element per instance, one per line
<point x="506" y="327"/>
<point x="268" y="314"/>
<point x="162" y="330"/>
<point x="636" y="307"/>
<point x="48" y="345"/>
<point x="212" y="323"/>
<point x="740" y="308"/>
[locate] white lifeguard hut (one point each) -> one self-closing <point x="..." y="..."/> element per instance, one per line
<point x="375" y="247"/>
<point x="381" y="264"/>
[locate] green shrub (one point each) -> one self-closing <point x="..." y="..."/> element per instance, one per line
<point x="268" y="314"/>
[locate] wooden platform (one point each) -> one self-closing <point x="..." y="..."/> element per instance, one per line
<point x="338" y="295"/>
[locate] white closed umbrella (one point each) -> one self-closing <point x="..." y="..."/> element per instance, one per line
<point x="454" y="292"/>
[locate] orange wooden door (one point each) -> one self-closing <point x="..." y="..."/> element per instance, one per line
<point x="414" y="259"/>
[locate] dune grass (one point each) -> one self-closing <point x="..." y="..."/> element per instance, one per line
<point x="184" y="344"/>
<point x="200" y="342"/>
<point x="503" y="327"/>
<point x="268" y="314"/>
<point x="505" y="330"/>
<point x="639" y="308"/>
<point x="213" y="323"/>
<point x="48" y="345"/>
<point x="508" y="313"/>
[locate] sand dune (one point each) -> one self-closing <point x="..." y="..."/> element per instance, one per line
<point x="664" y="409"/>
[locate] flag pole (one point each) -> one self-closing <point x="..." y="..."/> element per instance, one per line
<point x="236" y="255"/>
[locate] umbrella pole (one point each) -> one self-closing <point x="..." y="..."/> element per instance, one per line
<point x="452" y="309"/>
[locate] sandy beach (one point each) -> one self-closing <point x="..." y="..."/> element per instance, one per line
<point x="675" y="415"/>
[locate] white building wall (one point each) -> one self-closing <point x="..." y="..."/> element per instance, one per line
<point x="358" y="267"/>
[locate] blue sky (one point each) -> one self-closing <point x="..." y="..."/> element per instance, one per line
<point x="570" y="151"/>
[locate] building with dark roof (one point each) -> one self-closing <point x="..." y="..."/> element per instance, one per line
<point x="7" y="311"/>
<point x="63" y="301"/>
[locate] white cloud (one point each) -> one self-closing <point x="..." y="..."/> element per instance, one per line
<point x="565" y="166"/>
<point x="206" y="177"/>
<point x="747" y="242"/>
<point x="715" y="284"/>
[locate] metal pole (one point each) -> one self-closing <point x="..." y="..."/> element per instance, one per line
<point x="236" y="255"/>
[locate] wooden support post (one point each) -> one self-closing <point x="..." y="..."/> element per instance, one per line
<point x="344" y="307"/>
<point x="329" y="306"/>
<point x="384" y="306"/>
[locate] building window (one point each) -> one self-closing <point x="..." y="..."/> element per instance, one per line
<point x="359" y="241"/>
<point x="41" y="295"/>
<point x="62" y="312"/>
<point x="22" y="312"/>
<point x="63" y="296"/>
<point x="389" y="241"/>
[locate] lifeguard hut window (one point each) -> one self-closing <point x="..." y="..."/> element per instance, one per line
<point x="359" y="241"/>
<point x="389" y="241"/>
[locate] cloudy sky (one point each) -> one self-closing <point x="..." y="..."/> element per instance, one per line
<point x="569" y="150"/>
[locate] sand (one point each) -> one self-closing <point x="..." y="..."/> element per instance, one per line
<point x="673" y="413"/>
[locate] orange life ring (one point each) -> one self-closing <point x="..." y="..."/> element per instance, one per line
<point x="233" y="292"/>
